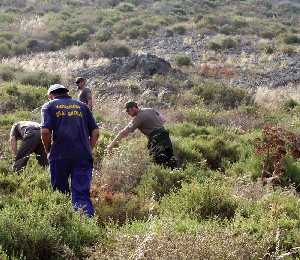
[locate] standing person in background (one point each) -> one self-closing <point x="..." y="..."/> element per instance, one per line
<point x="29" y="133"/>
<point x="85" y="94"/>
<point x="69" y="134"/>
<point x="150" y="123"/>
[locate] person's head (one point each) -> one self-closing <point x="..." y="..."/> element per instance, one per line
<point x="57" y="90"/>
<point x="132" y="108"/>
<point x="80" y="82"/>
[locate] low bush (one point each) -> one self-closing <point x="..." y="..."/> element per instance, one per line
<point x="8" y="119"/>
<point x="183" y="60"/>
<point x="179" y="29"/>
<point x="188" y="130"/>
<point x="199" y="116"/>
<point x="47" y="227"/>
<point x="126" y="7"/>
<point x="221" y="42"/>
<point x="291" y="39"/>
<point x="122" y="171"/>
<point x="119" y="207"/>
<point x="39" y="78"/>
<point x="16" y="96"/>
<point x="7" y="73"/>
<point x="103" y="35"/>
<point x="207" y="149"/>
<point x="159" y="181"/>
<point x="207" y="200"/>
<point x="223" y="96"/>
<point x="113" y="50"/>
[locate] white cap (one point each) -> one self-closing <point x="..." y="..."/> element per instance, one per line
<point x="56" y="87"/>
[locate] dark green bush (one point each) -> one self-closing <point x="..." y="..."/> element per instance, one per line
<point x="222" y="43"/>
<point x="159" y="181"/>
<point x="22" y="97"/>
<point x="38" y="78"/>
<point x="126" y="7"/>
<point x="5" y="50"/>
<point x="199" y="116"/>
<point x="120" y="207"/>
<point x="112" y="50"/>
<point x="179" y="29"/>
<point x="103" y="35"/>
<point x="220" y="95"/>
<point x="7" y="73"/>
<point x="188" y="130"/>
<point x="290" y="104"/>
<point x="291" y="39"/>
<point x="45" y="228"/>
<point x="207" y="200"/>
<point x="183" y="60"/>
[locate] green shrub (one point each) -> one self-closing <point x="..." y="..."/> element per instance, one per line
<point x="112" y="50"/>
<point x="220" y="95"/>
<point x="199" y="116"/>
<point x="38" y="78"/>
<point x="159" y="181"/>
<point x="290" y="104"/>
<point x="207" y="200"/>
<point x="21" y="97"/>
<point x="7" y="73"/>
<point x="292" y="172"/>
<point x="126" y="7"/>
<point x="120" y="207"/>
<point x="221" y="42"/>
<point x="183" y="60"/>
<point x="5" y="50"/>
<point x="188" y="130"/>
<point x="45" y="227"/>
<point x="103" y="35"/>
<point x="136" y="32"/>
<point x="291" y="39"/>
<point x="179" y="29"/>
<point x="9" y="119"/>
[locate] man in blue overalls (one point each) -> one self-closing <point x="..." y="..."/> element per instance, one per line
<point x="69" y="133"/>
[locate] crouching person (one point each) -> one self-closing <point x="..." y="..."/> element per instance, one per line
<point x="69" y="133"/>
<point x="150" y="123"/>
<point x="29" y="133"/>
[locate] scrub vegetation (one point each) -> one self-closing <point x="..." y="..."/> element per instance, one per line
<point x="235" y="194"/>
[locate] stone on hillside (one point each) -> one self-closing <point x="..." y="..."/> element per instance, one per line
<point x="144" y="65"/>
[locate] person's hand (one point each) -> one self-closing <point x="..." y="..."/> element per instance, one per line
<point x="48" y="155"/>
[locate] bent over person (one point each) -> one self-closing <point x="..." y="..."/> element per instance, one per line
<point x="150" y="123"/>
<point x="29" y="133"/>
<point x="69" y="133"/>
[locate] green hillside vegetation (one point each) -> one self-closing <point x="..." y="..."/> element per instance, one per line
<point x="221" y="203"/>
<point x="30" y="26"/>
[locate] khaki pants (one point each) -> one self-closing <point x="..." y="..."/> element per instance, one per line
<point x="32" y="143"/>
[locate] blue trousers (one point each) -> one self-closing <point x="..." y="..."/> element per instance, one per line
<point x="80" y="172"/>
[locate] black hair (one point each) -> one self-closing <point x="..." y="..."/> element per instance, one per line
<point x="60" y="91"/>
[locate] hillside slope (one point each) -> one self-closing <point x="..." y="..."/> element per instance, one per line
<point x="225" y="74"/>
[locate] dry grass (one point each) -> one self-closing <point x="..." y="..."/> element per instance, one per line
<point x="122" y="170"/>
<point x="275" y="98"/>
<point x="206" y="244"/>
<point x="53" y="62"/>
<point x="34" y="27"/>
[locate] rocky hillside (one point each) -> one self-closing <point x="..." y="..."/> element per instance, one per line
<point x="224" y="73"/>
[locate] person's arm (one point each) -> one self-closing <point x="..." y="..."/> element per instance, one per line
<point x="90" y="104"/>
<point x="94" y="137"/>
<point x="46" y="135"/>
<point x="13" y="145"/>
<point x="122" y="134"/>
